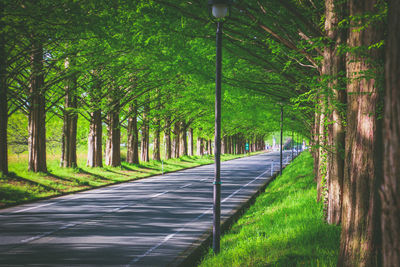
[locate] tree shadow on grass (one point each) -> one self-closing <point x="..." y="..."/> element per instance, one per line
<point x="59" y="177"/>
<point x="13" y="176"/>
<point x="82" y="171"/>
<point x="10" y="196"/>
<point x="108" y="170"/>
<point x="147" y="168"/>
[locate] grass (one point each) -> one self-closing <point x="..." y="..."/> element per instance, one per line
<point x="22" y="186"/>
<point x="284" y="227"/>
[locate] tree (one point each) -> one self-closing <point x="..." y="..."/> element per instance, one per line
<point x="145" y="134"/>
<point x="37" y="115"/>
<point x="360" y="238"/>
<point x="68" y="149"/>
<point x="333" y="66"/>
<point x="132" y="154"/>
<point x="3" y="99"/>
<point x="390" y="188"/>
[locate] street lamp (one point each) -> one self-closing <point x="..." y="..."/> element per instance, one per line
<point x="219" y="10"/>
<point x="281" y="153"/>
<point x="292" y="145"/>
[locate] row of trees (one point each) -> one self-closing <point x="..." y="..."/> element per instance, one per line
<point x="82" y="64"/>
<point x="147" y="67"/>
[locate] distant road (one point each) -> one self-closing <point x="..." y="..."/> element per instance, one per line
<point x="141" y="223"/>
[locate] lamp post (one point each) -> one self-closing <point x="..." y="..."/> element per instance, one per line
<point x="219" y="10"/>
<point x="281" y="154"/>
<point x="292" y="145"/>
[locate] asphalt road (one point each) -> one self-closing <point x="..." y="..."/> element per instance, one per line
<point x="141" y="223"/>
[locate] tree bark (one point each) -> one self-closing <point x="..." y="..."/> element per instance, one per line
<point x="3" y="105"/>
<point x="200" y="148"/>
<point x="321" y="175"/>
<point x="231" y="145"/>
<point x="183" y="140"/>
<point x="390" y="188"/>
<point x="175" y="145"/>
<point x="145" y="135"/>
<point x="132" y="154"/>
<point x="37" y="115"/>
<point x="190" y="145"/>
<point x="113" y="144"/>
<point x="68" y="152"/>
<point x="315" y="143"/>
<point x="333" y="66"/>
<point x="167" y="138"/>
<point x="209" y="146"/>
<point x="95" y="156"/>
<point x="360" y="242"/>
<point x="156" y="142"/>
<point x="236" y="145"/>
<point x="223" y="144"/>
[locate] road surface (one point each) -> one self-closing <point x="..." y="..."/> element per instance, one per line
<point x="140" y="223"/>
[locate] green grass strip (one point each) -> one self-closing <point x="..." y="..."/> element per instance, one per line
<point x="285" y="226"/>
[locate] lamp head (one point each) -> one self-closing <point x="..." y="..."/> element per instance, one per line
<point x="219" y="8"/>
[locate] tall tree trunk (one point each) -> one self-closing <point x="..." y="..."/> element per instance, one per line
<point x="95" y="156"/>
<point x="183" y="141"/>
<point x="321" y="175"/>
<point x="37" y="115"/>
<point x="209" y="145"/>
<point x="167" y="138"/>
<point x="175" y="145"/>
<point x="360" y="242"/>
<point x="156" y="142"/>
<point x="3" y="105"/>
<point x="223" y="144"/>
<point x="315" y="144"/>
<point x="200" y="148"/>
<point x="68" y="152"/>
<point x="390" y="189"/>
<point x="145" y="135"/>
<point x="231" y="145"/>
<point x="132" y="154"/>
<point x="113" y="144"/>
<point x="333" y="66"/>
<point x="237" y="146"/>
<point x="190" y="145"/>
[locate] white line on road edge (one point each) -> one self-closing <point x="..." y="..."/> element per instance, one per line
<point x="159" y="194"/>
<point x="240" y="189"/>
<point x="33" y="238"/>
<point x="168" y="237"/>
<point x="44" y="205"/>
<point x="186" y="185"/>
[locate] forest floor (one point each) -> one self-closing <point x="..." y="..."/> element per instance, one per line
<point x="284" y="227"/>
<point x="22" y="186"/>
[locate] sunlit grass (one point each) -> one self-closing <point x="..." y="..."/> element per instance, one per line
<point x="22" y="186"/>
<point x="284" y="227"/>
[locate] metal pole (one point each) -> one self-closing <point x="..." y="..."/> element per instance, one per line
<point x="217" y="148"/>
<point x="292" y="145"/>
<point x="281" y="137"/>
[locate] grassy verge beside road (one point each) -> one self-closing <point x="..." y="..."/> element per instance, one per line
<point x="284" y="227"/>
<point x="22" y="186"/>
